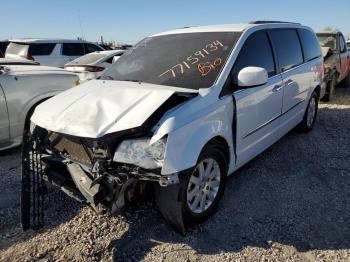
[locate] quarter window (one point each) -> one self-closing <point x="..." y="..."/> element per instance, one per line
<point x="311" y="46"/>
<point x="256" y="51"/>
<point x="287" y="45"/>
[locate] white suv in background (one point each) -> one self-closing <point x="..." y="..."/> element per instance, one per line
<point x="179" y="111"/>
<point x="49" y="52"/>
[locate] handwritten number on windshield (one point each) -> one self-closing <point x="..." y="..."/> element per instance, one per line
<point x="194" y="59"/>
<point x="205" y="68"/>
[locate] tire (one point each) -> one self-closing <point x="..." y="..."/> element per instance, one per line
<point x="180" y="205"/>
<point x="330" y="89"/>
<point x="310" y="115"/>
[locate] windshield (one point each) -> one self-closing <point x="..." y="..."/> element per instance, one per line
<point x="328" y="41"/>
<point x="188" y="60"/>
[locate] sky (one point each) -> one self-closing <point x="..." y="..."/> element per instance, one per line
<point x="129" y="21"/>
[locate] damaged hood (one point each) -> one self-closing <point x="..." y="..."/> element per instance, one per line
<point x="100" y="107"/>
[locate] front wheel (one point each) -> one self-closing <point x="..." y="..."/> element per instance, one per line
<point x="310" y="115"/>
<point x="197" y="195"/>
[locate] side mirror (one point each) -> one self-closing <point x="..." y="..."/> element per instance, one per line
<point x="252" y="76"/>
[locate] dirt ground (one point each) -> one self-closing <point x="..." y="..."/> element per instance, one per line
<point x="292" y="203"/>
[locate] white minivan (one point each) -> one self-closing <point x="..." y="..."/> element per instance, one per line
<point x="49" y="52"/>
<point x="178" y="113"/>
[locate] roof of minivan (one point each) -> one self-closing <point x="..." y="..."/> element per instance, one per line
<point x="227" y="28"/>
<point x="43" y="40"/>
<point x="210" y="28"/>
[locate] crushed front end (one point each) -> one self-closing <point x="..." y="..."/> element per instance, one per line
<point x="98" y="172"/>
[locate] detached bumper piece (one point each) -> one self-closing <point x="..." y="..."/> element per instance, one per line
<point x="171" y="207"/>
<point x="33" y="189"/>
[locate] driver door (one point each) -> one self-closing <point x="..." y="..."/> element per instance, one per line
<point x="257" y="108"/>
<point x="4" y="120"/>
<point x="344" y="57"/>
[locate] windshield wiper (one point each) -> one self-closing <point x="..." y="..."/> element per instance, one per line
<point x="105" y="78"/>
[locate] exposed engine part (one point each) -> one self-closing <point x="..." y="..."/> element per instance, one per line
<point x="83" y="169"/>
<point x="91" y="191"/>
<point x="119" y="200"/>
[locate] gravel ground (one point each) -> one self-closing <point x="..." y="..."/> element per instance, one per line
<point x="292" y="203"/>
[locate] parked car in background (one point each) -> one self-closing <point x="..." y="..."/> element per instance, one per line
<point x="105" y="46"/>
<point x="22" y="88"/>
<point x="6" y="61"/>
<point x="125" y="47"/>
<point x="336" y="60"/>
<point x="174" y="117"/>
<point x="348" y="44"/>
<point x="92" y="65"/>
<point x="3" y="46"/>
<point x="50" y="52"/>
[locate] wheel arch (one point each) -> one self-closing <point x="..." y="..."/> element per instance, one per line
<point x="220" y="142"/>
<point x="183" y="152"/>
<point x="318" y="90"/>
<point x="31" y="109"/>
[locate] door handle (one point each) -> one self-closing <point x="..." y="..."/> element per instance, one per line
<point x="277" y="88"/>
<point x="288" y="82"/>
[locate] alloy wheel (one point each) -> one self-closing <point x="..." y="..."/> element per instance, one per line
<point x="311" y="112"/>
<point x="203" y="185"/>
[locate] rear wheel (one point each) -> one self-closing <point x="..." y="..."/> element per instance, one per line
<point x="197" y="195"/>
<point x="310" y="115"/>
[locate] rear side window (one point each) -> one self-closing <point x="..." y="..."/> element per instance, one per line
<point x="73" y="49"/>
<point x="110" y="60"/>
<point x="89" y="48"/>
<point x="256" y="51"/>
<point x="311" y="46"/>
<point x="40" y="49"/>
<point x="288" y="49"/>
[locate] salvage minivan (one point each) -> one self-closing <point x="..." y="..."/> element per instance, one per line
<point x="179" y="112"/>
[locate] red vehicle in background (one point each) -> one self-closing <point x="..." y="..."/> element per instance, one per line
<point x="336" y="61"/>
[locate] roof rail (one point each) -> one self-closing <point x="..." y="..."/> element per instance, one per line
<point x="258" y="22"/>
